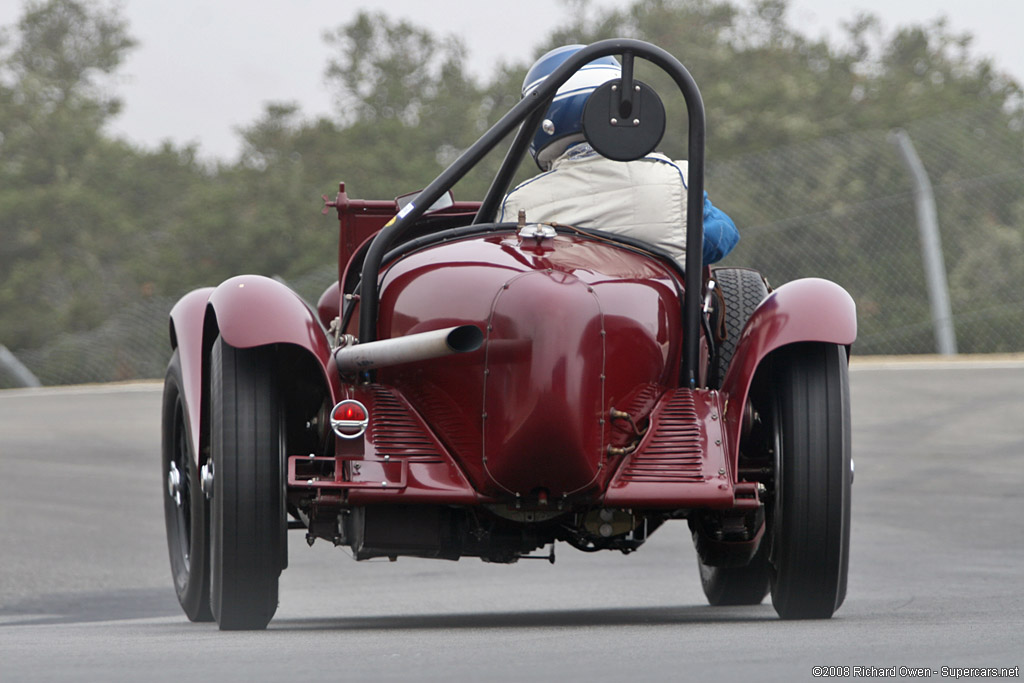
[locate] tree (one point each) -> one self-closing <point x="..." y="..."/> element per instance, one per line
<point x="407" y="103"/>
<point x="58" y="69"/>
<point x="61" y="231"/>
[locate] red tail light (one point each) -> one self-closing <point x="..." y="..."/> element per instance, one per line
<point x="349" y="419"/>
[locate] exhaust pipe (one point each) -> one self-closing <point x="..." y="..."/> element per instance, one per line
<point x="410" y="348"/>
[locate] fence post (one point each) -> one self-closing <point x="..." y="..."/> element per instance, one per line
<point x="931" y="244"/>
<point x="17" y="368"/>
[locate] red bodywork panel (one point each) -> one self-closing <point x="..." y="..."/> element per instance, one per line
<point x="528" y="413"/>
<point x="361" y="219"/>
<point x="682" y="460"/>
<point x="399" y="460"/>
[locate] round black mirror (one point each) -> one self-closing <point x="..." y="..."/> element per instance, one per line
<point x="624" y="126"/>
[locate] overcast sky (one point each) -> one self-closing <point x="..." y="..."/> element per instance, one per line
<point x="205" y="67"/>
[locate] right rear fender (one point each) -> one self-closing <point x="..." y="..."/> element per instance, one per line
<point x="806" y="310"/>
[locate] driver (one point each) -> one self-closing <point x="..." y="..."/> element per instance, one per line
<point x="644" y="199"/>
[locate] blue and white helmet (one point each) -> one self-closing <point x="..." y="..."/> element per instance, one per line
<point x="563" y="123"/>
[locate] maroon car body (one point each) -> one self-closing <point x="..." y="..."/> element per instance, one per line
<point x="583" y="407"/>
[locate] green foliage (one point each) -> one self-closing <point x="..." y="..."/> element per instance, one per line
<point x="62" y="231"/>
<point x="91" y="226"/>
<point x="407" y="103"/>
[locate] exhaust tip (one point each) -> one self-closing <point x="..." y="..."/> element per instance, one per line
<point x="411" y="348"/>
<point x="465" y="338"/>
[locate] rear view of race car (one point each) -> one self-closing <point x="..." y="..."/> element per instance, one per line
<point x="474" y="388"/>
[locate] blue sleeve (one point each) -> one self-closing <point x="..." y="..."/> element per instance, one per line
<point x="720" y="233"/>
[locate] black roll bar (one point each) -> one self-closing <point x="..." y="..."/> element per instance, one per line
<point x="506" y="172"/>
<point x="530" y="109"/>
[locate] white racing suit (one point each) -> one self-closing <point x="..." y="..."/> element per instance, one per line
<point x="644" y="199"/>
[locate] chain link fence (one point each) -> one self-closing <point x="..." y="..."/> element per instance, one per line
<point x="135" y="344"/>
<point x="844" y="209"/>
<point x="839" y="208"/>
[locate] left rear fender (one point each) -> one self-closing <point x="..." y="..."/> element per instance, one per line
<point x="252" y="310"/>
<point x="246" y="311"/>
<point x="187" y="320"/>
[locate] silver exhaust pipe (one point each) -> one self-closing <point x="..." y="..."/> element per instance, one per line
<point x="408" y="349"/>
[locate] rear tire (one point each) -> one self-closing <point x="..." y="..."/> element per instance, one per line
<point x="185" y="506"/>
<point x="742" y="290"/>
<point x="724" y="586"/>
<point x="248" y="526"/>
<point x="811" y="514"/>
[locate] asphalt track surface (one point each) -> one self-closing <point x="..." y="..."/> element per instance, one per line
<point x="936" y="575"/>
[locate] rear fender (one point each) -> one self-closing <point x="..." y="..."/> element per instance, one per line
<point x="187" y="320"/>
<point x="246" y="311"/>
<point x="252" y="310"/>
<point x="807" y="310"/>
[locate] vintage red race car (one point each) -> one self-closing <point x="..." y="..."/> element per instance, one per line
<point x="470" y="388"/>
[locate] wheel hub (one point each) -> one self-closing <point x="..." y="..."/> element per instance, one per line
<point x="174" y="483"/>
<point x="206" y="479"/>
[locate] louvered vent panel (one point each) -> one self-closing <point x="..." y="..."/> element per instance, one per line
<point x="394" y="431"/>
<point x="673" y="453"/>
<point x="642" y="402"/>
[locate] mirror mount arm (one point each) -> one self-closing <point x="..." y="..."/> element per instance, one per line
<point x="626" y="92"/>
